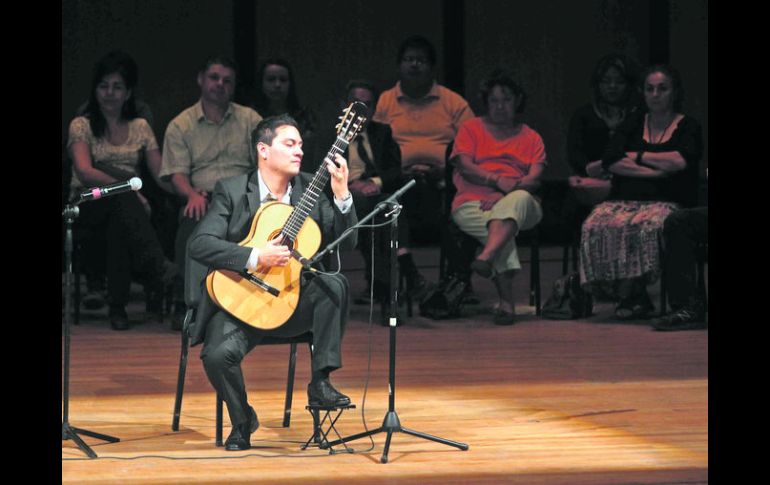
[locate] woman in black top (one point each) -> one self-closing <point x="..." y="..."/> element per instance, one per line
<point x="613" y="98"/>
<point x="653" y="161"/>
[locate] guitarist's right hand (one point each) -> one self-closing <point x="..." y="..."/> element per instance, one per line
<point x="274" y="254"/>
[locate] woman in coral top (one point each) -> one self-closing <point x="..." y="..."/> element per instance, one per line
<point x="499" y="161"/>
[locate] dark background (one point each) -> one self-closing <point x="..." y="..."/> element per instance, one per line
<point x="551" y="46"/>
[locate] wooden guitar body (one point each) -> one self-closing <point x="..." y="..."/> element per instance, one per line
<point x="250" y="303"/>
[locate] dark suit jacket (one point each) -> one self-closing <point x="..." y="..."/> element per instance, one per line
<point x="385" y="150"/>
<point x="227" y="221"/>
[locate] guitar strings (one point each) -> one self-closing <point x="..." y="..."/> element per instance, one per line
<point x="305" y="206"/>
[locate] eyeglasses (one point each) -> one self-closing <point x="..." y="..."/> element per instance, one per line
<point x="418" y="60"/>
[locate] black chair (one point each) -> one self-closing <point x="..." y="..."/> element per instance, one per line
<point x="194" y="275"/>
<point x="579" y="210"/>
<point x="465" y="245"/>
<point x="700" y="268"/>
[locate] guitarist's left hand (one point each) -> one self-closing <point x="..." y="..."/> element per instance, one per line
<point x="339" y="177"/>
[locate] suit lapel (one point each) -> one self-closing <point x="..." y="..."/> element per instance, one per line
<point x="296" y="190"/>
<point x="252" y="194"/>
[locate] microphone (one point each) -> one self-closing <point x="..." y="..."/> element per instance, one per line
<point x="135" y="183"/>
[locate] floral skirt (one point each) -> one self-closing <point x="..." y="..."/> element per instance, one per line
<point x="620" y="241"/>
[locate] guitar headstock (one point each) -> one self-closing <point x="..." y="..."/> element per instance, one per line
<point x="352" y="120"/>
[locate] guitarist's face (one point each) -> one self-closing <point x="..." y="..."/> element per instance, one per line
<point x="284" y="155"/>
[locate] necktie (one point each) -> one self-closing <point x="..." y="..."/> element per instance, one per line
<point x="362" y="151"/>
<point x="357" y="162"/>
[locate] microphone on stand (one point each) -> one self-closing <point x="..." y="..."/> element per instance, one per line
<point x="135" y="183"/>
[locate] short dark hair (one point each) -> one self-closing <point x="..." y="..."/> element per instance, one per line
<point x="417" y="42"/>
<point x="362" y="83"/>
<point x="676" y="82"/>
<point x="499" y="77"/>
<point x="627" y="68"/>
<point x="116" y="61"/>
<point x="266" y="129"/>
<point x="221" y="60"/>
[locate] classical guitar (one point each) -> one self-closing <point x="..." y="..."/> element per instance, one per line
<point x="267" y="297"/>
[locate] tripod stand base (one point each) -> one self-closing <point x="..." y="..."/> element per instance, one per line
<point x="391" y="424"/>
<point x="70" y="433"/>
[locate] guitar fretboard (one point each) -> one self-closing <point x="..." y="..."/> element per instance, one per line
<point x="312" y="192"/>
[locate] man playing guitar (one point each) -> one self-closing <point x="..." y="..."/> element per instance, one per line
<point x="323" y="303"/>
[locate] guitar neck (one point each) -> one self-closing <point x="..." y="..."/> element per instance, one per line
<point x="313" y="191"/>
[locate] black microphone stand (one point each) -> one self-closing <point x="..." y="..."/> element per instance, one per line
<point x="391" y="424"/>
<point x="68" y="432"/>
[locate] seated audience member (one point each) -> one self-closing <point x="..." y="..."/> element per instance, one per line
<point x="424" y="117"/>
<point x="106" y="144"/>
<point x="499" y="163"/>
<point x="683" y="231"/>
<point x="653" y="159"/>
<point x="277" y="94"/>
<point x="374" y="160"/>
<point x="160" y="208"/>
<point x="613" y="98"/>
<point x="206" y="142"/>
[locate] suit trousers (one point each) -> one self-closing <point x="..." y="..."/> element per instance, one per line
<point x="132" y="246"/>
<point x="683" y="230"/>
<point x="322" y="309"/>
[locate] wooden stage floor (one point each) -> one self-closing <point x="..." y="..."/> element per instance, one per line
<point x="592" y="401"/>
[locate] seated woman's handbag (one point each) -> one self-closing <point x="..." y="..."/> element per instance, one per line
<point x="568" y="300"/>
<point x="445" y="300"/>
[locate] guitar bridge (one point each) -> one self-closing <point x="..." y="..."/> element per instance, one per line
<point x="253" y="279"/>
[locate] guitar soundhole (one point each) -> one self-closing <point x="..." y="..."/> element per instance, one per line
<point x="285" y="240"/>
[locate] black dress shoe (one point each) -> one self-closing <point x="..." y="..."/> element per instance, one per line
<point x="682" y="319"/>
<point x="240" y="434"/>
<point x="322" y="393"/>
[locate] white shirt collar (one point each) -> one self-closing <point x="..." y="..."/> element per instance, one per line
<point x="264" y="191"/>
